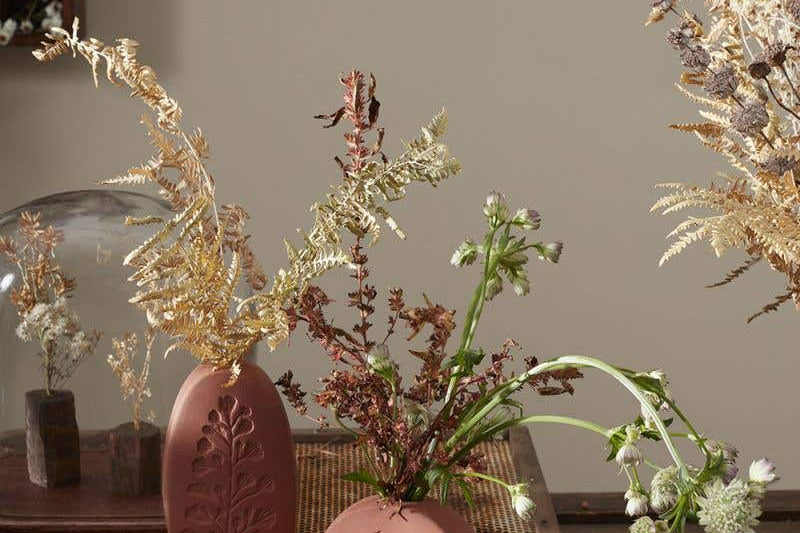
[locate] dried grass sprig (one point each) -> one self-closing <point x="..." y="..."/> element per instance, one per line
<point x="133" y="382"/>
<point x="189" y="270"/>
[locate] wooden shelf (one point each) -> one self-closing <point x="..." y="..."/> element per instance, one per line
<point x="71" y="9"/>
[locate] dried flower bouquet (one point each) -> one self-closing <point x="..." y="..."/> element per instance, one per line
<point x="189" y="270"/>
<point x="42" y="301"/>
<point x="132" y="382"/>
<point x="45" y="316"/>
<point x="741" y="69"/>
<point x="420" y="438"/>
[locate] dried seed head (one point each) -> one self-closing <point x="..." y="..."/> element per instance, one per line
<point x="751" y="118"/>
<point x="792" y="7"/>
<point x="778" y="164"/>
<point x="695" y="57"/>
<point x="676" y="39"/>
<point x="759" y="69"/>
<point x="775" y="54"/>
<point x="722" y="83"/>
<point x="658" y="10"/>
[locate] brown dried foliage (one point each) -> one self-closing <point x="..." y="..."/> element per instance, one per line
<point x="398" y="424"/>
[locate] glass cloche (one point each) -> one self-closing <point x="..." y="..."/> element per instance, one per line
<point x="95" y="241"/>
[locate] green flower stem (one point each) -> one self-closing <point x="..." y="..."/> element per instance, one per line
<point x="700" y="441"/>
<point x="578" y="360"/>
<point x="485" y="477"/>
<point x="473" y="317"/>
<point x="575" y="361"/>
<point x="479" y="297"/>
<point x="577" y="422"/>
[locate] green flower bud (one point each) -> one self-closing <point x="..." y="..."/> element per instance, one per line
<point x="528" y="219"/>
<point x="378" y="360"/>
<point x="496" y="207"/>
<point x="551" y="252"/>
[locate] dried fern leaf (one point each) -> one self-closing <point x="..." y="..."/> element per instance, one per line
<point x="736" y="272"/>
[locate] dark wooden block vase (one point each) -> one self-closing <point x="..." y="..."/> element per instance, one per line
<point x="135" y="460"/>
<point x="52" y="438"/>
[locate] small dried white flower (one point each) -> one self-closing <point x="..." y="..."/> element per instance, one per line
<point x="26" y="26"/>
<point x="728" y="508"/>
<point x="54" y="21"/>
<point x="53" y="8"/>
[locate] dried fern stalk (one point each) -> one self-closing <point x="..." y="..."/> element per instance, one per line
<point x="741" y="68"/>
<point x="188" y="271"/>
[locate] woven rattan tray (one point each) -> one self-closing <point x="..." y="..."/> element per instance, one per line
<point x="322" y="459"/>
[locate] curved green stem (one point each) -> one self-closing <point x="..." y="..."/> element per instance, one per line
<point x="577" y="422"/>
<point x="637" y="393"/>
<point x="698" y="438"/>
<point x="485" y="477"/>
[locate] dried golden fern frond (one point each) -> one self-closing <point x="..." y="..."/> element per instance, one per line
<point x="189" y="270"/>
<point x="743" y="72"/>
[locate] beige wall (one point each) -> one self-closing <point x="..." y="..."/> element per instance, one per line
<point x="562" y="105"/>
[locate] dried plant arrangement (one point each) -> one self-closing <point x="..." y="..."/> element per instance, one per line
<point x="421" y="437"/>
<point x="189" y="270"/>
<point x="741" y="69"/>
<point x="42" y="301"/>
<point x="132" y="382"/>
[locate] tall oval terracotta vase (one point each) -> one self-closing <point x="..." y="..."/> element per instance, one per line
<point x="371" y="515"/>
<point x="229" y="462"/>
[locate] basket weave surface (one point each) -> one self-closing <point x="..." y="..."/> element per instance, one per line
<point x="323" y="494"/>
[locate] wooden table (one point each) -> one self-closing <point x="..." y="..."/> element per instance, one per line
<point x="90" y="507"/>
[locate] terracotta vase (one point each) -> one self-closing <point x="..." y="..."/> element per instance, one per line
<point x="229" y="463"/>
<point x="372" y="515"/>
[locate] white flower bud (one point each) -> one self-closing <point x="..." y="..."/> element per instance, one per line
<point x="523" y="505"/>
<point x="763" y="472"/>
<point x="629" y="455"/>
<point x="496" y="206"/>
<point x="551" y="252"/>
<point x="637" y="504"/>
<point x="527" y="219"/>
<point x="378" y="359"/>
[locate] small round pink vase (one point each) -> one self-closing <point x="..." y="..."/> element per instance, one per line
<point x="373" y="515"/>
